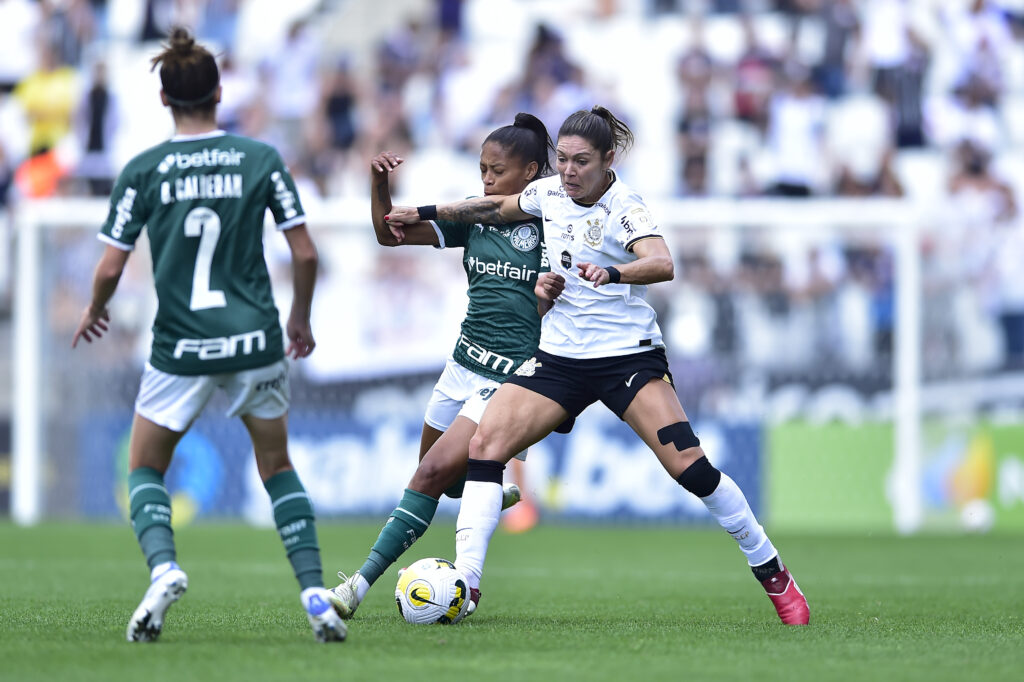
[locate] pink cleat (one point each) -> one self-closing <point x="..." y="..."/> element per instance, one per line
<point x="789" y="601"/>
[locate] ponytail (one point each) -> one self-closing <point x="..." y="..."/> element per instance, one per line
<point x="188" y="73"/>
<point x="600" y="128"/>
<point x="526" y="139"/>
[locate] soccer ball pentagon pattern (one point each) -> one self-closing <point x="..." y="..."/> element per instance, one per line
<point x="432" y="591"/>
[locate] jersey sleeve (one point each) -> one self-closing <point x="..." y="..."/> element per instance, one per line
<point x="127" y="214"/>
<point x="529" y="200"/>
<point x="452" y="234"/>
<point x="634" y="222"/>
<point x="283" y="201"/>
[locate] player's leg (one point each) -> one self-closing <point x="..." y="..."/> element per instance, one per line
<point x="261" y="398"/>
<point x="166" y="406"/>
<point x="515" y="419"/>
<point x="444" y="463"/>
<point x="656" y="415"/>
<point x="524" y="515"/>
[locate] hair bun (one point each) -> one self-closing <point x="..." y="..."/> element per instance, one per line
<point x="181" y="40"/>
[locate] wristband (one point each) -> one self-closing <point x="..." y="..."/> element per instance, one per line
<point x="613" y="275"/>
<point x="427" y="212"/>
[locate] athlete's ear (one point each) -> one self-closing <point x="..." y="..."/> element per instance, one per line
<point x="216" y="98"/>
<point x="609" y="157"/>
<point x="531" y="170"/>
<point x="163" y="99"/>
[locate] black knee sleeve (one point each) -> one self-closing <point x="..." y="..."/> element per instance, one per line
<point x="484" y="470"/>
<point x="700" y="478"/>
<point x="680" y="434"/>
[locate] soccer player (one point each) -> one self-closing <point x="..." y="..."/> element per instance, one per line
<point x="502" y="326"/>
<point x="600" y="340"/>
<point x="202" y="196"/>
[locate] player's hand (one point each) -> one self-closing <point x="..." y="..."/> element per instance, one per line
<point x="300" y="338"/>
<point x="593" y="273"/>
<point x="93" y="324"/>
<point x="549" y="286"/>
<point x="384" y="163"/>
<point x="402" y="215"/>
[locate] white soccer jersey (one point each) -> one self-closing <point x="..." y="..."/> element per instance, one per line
<point x="588" y="322"/>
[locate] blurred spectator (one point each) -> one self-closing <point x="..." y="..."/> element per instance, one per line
<point x="694" y="139"/>
<point x="97" y="122"/>
<point x="861" y="180"/>
<point x="19" y="20"/>
<point x="340" y="107"/>
<point x="795" y="136"/>
<point x="219" y="22"/>
<point x="239" y="87"/>
<point x="842" y="25"/>
<point x="755" y="78"/>
<point x="6" y="179"/>
<point x="48" y="98"/>
<point x="293" y="80"/>
<point x="69" y="26"/>
<point x="980" y="34"/>
<point x="963" y="115"/>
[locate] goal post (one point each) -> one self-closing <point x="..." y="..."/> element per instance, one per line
<point x="897" y="225"/>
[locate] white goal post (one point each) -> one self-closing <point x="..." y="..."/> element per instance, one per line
<point x="897" y="223"/>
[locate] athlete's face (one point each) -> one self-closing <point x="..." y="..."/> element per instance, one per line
<point x="582" y="169"/>
<point x="503" y="173"/>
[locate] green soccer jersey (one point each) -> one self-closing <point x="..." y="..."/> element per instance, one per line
<point x="502" y="327"/>
<point x="203" y="199"/>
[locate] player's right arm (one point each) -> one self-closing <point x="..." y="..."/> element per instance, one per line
<point x="419" y="232"/>
<point x="489" y="210"/>
<point x="304" y="266"/>
<point x="105" y="278"/>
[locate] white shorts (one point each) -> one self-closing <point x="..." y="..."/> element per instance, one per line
<point x="174" y="401"/>
<point x="459" y="392"/>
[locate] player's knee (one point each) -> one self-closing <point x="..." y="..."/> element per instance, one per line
<point x="433" y="475"/>
<point x="700" y="478"/>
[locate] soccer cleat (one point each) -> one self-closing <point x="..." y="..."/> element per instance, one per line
<point x="789" y="601"/>
<point x="165" y="589"/>
<point x="510" y="495"/>
<point x="325" y="621"/>
<point x="474" y="601"/>
<point x="344" y="597"/>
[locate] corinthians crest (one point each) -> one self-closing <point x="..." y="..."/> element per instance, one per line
<point x="594" y="233"/>
<point x="528" y="368"/>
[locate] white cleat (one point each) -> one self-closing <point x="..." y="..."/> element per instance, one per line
<point x="325" y="621"/>
<point x="165" y="589"/>
<point x="510" y="495"/>
<point x="344" y="597"/>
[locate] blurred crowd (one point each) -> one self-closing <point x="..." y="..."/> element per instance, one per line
<point x="741" y="98"/>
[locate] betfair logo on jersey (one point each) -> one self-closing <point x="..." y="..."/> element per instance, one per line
<point x="500" y="269"/>
<point x="222" y="347"/>
<point x="207" y="157"/>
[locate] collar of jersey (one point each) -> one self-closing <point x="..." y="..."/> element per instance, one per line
<point x="198" y="136"/>
<point x="583" y="203"/>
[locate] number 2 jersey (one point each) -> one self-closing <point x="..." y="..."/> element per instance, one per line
<point x="203" y="199"/>
<point x="502" y="327"/>
<point x="588" y="321"/>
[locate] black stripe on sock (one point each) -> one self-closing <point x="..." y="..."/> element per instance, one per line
<point x="484" y="470"/>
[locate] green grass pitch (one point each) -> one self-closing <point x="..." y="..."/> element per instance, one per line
<point x="559" y="603"/>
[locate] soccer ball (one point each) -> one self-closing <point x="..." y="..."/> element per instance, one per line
<point x="432" y="591"/>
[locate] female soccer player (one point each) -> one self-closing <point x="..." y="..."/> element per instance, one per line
<point x="501" y="329"/>
<point x="202" y="196"/>
<point x="599" y="341"/>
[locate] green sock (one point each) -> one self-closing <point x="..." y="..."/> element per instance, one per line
<point x="150" y="511"/>
<point x="293" y="514"/>
<point x="454" y="491"/>
<point x="405" y="526"/>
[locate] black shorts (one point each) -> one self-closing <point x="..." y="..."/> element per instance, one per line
<point x="575" y="384"/>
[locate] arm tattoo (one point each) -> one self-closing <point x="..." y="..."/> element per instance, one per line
<point x="382" y="191"/>
<point x="485" y="210"/>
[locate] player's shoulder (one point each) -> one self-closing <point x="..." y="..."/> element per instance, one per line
<point x="620" y="192"/>
<point x="542" y="188"/>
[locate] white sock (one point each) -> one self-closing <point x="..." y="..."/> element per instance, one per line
<point x="729" y="507"/>
<point x="160" y="569"/>
<point x="478" y="518"/>
<point x="361" y="586"/>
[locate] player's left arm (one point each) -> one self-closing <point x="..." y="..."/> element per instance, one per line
<point x="653" y="264"/>
<point x="305" y="262"/>
<point x="104" y="284"/>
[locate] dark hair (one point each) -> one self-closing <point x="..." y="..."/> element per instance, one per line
<point x="600" y="128"/>
<point x="526" y="139"/>
<point x="188" y="73"/>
